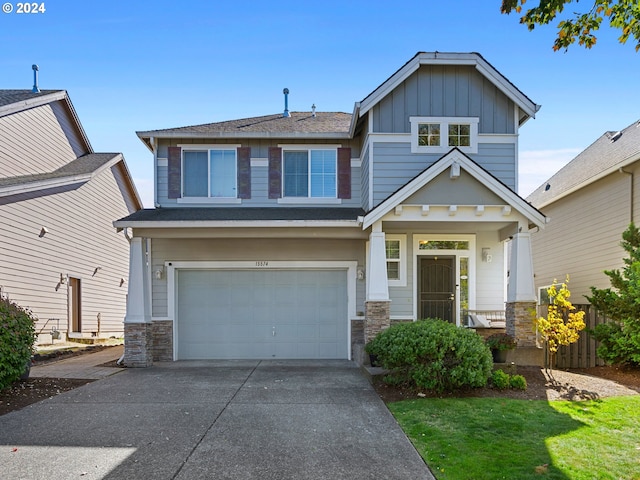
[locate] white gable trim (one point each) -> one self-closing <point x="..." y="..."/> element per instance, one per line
<point x="455" y="156"/>
<point x="436" y="58"/>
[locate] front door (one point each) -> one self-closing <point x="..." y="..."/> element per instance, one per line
<point x="437" y="288"/>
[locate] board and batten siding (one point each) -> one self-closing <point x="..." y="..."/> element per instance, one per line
<point x="364" y="178"/>
<point x="445" y="91"/>
<point x="38" y="140"/>
<point x="583" y="236"/>
<point x="80" y="238"/>
<point x="243" y="249"/>
<point x="259" y="174"/>
<point x="394" y="165"/>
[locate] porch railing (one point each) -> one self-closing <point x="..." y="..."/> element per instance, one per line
<point x="484" y="318"/>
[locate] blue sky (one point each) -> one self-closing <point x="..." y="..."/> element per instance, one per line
<point x="142" y="65"/>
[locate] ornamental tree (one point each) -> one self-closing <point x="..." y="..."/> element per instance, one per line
<point x="563" y="324"/>
<point x="620" y="336"/>
<point x="623" y="15"/>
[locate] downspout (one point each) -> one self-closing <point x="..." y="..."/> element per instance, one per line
<point x="631" y="192"/>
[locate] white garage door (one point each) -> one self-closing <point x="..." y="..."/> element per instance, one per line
<point x="261" y="314"/>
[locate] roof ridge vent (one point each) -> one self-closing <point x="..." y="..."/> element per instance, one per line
<point x="286" y="103"/>
<point x="313" y="110"/>
<point x="35" y="88"/>
<point x="615" y="136"/>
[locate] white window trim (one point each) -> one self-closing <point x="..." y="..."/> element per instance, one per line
<point x="444" y="134"/>
<point x="207" y="148"/>
<point x="308" y="148"/>
<point x="402" y="270"/>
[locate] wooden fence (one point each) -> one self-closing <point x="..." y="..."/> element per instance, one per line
<point x="581" y="354"/>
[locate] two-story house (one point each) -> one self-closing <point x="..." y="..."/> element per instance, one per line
<point x="61" y="257"/>
<point x="302" y="234"/>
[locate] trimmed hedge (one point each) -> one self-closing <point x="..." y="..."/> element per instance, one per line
<point x="432" y="354"/>
<point x="17" y="337"/>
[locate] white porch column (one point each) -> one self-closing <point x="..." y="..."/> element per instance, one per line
<point x="138" y="335"/>
<point x="521" y="287"/>
<point x="377" y="283"/>
<point x="377" y="305"/>
<point x="521" y="302"/>
<point x="138" y="295"/>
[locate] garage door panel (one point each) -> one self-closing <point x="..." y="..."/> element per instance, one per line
<point x="232" y="314"/>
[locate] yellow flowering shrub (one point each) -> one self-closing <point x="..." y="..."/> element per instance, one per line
<point x="563" y="324"/>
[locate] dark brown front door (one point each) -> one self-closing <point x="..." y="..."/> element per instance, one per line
<point x="75" y="305"/>
<point x="437" y="288"/>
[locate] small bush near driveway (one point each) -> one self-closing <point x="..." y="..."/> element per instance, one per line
<point x="17" y="336"/>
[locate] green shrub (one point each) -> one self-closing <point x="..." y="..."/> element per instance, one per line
<point x="500" y="379"/>
<point x="432" y="354"/>
<point x="17" y="336"/>
<point x="518" y="382"/>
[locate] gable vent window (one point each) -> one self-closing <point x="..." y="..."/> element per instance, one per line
<point x="441" y="134"/>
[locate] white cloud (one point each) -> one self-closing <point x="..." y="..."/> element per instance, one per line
<point x="537" y="166"/>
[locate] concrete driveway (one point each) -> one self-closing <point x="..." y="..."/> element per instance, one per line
<point x="213" y="420"/>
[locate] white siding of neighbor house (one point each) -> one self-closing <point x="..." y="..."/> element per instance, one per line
<point x="584" y="234"/>
<point x="243" y="249"/>
<point x="445" y="91"/>
<point x="38" y="140"/>
<point x="259" y="174"/>
<point x="80" y="238"/>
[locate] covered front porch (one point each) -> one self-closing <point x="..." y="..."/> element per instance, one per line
<point x="453" y="244"/>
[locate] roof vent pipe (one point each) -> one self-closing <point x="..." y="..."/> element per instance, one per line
<point x="35" y="88"/>
<point x="313" y="110"/>
<point x="286" y="103"/>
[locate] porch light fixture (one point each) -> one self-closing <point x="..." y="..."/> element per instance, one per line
<point x="360" y="273"/>
<point x="43" y="232"/>
<point x="486" y="256"/>
<point x="122" y="281"/>
<point x="96" y="271"/>
<point x="159" y="272"/>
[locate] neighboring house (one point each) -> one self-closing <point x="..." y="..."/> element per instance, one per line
<point x="61" y="257"/>
<point x="301" y="235"/>
<point x="590" y="202"/>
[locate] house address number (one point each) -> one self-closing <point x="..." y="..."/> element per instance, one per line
<point x="262" y="263"/>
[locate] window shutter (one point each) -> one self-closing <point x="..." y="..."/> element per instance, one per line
<point x="174" y="174"/>
<point x="244" y="172"/>
<point x="344" y="173"/>
<point x="275" y="172"/>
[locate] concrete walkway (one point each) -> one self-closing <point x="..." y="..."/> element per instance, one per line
<point x="86" y="366"/>
<point x="202" y="420"/>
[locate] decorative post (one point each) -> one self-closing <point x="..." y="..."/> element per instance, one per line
<point x="521" y="302"/>
<point x="138" y="340"/>
<point x="377" y="304"/>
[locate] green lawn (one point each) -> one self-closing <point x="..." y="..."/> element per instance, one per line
<point x="494" y="438"/>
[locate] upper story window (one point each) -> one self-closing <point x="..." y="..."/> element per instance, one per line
<point x="441" y="134"/>
<point x="310" y="173"/>
<point x="209" y="173"/>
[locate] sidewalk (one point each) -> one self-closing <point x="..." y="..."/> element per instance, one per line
<point x="82" y="366"/>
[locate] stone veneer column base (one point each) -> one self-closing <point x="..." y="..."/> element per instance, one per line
<point x="138" y="344"/>
<point x="162" y="332"/>
<point x="376" y="318"/>
<point x="520" y="325"/>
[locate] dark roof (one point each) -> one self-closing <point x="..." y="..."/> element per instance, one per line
<point x="611" y="151"/>
<point x="298" y="122"/>
<point x="7" y="97"/>
<point x="84" y="165"/>
<point x="222" y="214"/>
